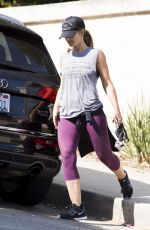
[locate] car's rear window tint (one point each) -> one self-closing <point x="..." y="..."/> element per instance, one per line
<point x="25" y="52"/>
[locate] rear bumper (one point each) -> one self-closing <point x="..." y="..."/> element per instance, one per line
<point x="15" y="162"/>
<point x="19" y="153"/>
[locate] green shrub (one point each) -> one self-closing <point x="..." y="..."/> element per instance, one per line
<point x="8" y="3"/>
<point x="138" y="129"/>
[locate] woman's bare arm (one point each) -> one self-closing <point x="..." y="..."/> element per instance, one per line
<point x="108" y="86"/>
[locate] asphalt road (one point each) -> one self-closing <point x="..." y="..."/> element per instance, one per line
<point x="44" y="217"/>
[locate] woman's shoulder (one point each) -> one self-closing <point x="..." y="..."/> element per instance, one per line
<point x="64" y="54"/>
<point x="95" y="51"/>
<point x="64" y="57"/>
<point x="99" y="52"/>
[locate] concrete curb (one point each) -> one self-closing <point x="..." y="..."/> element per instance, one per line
<point x="101" y="194"/>
<point x="133" y="211"/>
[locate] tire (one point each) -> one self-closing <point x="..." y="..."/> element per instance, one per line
<point x="28" y="190"/>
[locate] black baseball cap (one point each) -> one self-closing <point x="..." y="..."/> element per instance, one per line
<point x="71" y="25"/>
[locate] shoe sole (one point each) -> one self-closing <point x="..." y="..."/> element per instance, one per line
<point x="76" y="219"/>
<point x="80" y="218"/>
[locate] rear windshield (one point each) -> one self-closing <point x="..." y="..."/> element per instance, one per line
<point x="26" y="52"/>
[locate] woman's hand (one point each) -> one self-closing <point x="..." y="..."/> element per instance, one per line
<point x="117" y="118"/>
<point x="56" y="118"/>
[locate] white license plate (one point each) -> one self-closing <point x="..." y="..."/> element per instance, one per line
<point x="4" y="102"/>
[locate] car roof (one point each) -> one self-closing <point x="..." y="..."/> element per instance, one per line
<point x="11" y="20"/>
<point x="13" y="23"/>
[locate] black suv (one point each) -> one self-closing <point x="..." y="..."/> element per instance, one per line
<point x="29" y="153"/>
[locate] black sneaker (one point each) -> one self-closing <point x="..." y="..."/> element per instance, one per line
<point x="126" y="187"/>
<point x="73" y="212"/>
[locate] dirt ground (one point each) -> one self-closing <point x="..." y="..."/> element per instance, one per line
<point x="125" y="161"/>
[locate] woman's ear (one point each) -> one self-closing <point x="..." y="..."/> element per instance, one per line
<point x="82" y="31"/>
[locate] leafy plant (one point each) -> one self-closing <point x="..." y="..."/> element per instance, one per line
<point x="138" y="129"/>
<point x="8" y="3"/>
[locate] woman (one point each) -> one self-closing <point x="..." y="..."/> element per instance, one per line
<point x="77" y="103"/>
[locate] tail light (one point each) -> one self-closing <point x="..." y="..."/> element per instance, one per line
<point x="48" y="93"/>
<point x="46" y="143"/>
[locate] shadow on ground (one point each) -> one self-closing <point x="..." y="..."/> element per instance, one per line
<point x="99" y="191"/>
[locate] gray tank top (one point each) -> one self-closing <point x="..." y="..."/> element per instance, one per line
<point x="79" y="92"/>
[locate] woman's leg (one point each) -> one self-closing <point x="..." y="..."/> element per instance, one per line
<point x="98" y="132"/>
<point x="68" y="138"/>
<point x="73" y="187"/>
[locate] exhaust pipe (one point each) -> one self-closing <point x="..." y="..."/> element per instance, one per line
<point x="35" y="169"/>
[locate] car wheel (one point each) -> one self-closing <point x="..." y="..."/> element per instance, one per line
<point x="27" y="190"/>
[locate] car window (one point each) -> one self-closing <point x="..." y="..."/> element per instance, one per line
<point x="4" y="49"/>
<point x="26" y="53"/>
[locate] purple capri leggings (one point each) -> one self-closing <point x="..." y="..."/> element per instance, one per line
<point x="69" y="136"/>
